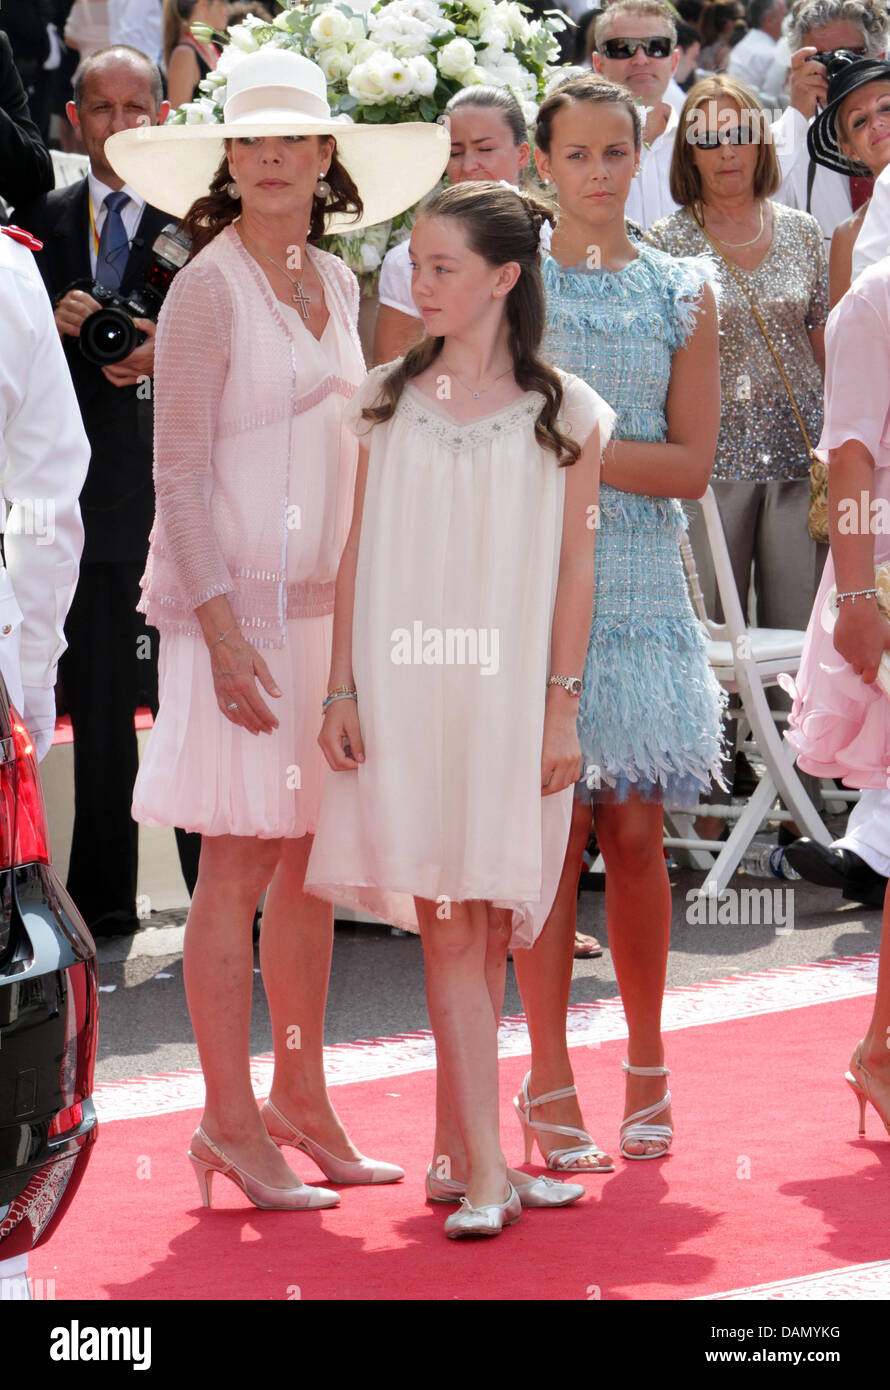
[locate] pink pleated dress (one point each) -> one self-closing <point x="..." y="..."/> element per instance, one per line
<point x="839" y="726"/>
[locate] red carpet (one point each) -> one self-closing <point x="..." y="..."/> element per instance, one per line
<point x="768" y="1182"/>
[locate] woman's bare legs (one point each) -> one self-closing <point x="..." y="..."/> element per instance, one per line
<point x="296" y="942"/>
<point x="544" y="976"/>
<point x="638" y="911"/>
<point x="218" y="973"/>
<point x="876" y="1043"/>
<point x="461" y="955"/>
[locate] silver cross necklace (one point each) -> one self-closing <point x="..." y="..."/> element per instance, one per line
<point x="299" y="298"/>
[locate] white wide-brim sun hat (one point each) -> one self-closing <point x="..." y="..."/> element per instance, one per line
<point x="278" y="92"/>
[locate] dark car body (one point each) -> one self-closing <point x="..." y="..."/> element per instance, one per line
<point x="48" y="1012"/>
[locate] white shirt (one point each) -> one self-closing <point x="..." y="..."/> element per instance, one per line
<point x="873" y="241"/>
<point x="137" y="22"/>
<point x="131" y="213"/>
<point x="650" y="193"/>
<point x="44" y="455"/>
<point x="674" y="95"/>
<point x="752" y="58"/>
<point x="394" y="287"/>
<point x="830" y="201"/>
<point x="775" y="94"/>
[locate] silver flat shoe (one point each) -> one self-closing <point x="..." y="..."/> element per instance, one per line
<point x="537" y="1192"/>
<point x="489" y="1220"/>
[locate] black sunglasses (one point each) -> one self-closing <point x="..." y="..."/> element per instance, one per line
<point x="733" y="135"/>
<point x="658" y="47"/>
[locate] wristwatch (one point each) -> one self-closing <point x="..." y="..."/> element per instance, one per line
<point x="570" y="683"/>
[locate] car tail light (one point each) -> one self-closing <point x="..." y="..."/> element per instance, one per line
<point x="72" y="1118"/>
<point x="23" y="832"/>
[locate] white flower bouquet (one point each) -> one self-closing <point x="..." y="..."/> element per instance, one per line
<point x="397" y="60"/>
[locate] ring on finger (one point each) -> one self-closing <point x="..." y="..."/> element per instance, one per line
<point x="233" y="705"/>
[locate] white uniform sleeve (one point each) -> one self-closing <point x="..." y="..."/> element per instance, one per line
<point x="873" y="241"/>
<point x="44" y="456"/>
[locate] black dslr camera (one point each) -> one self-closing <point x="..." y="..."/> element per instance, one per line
<point x="836" y="59"/>
<point x="109" y="334"/>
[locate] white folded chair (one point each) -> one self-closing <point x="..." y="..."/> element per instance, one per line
<point x="745" y="660"/>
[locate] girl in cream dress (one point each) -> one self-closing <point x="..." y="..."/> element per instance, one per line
<point x="461" y="616"/>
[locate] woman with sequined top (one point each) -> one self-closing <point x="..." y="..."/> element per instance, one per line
<point x="641" y="328"/>
<point x="772" y="257"/>
<point x="723" y="174"/>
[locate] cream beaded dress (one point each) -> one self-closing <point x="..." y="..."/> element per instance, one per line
<point x="455" y="589"/>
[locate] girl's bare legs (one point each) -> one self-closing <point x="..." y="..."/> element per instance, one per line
<point x="461" y="955"/>
<point x="218" y="973"/>
<point x="544" y="976"/>
<point x="451" y="1159"/>
<point x="295" y="955"/>
<point x="638" y="911"/>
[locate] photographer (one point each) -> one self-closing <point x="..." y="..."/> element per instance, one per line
<point x="98" y="229"/>
<point x="819" y="29"/>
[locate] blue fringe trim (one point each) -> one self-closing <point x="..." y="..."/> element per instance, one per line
<point x="637" y="512"/>
<point x="677" y="281"/>
<point x="651" y="711"/>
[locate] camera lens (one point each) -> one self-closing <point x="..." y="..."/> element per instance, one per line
<point x="108" y="336"/>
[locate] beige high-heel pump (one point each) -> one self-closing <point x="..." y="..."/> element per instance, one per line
<point x="857" y="1078"/>
<point x="300" y="1197"/>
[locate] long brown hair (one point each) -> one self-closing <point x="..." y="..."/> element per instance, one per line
<point x="500" y="226"/>
<point x="176" y="14"/>
<point x="208" y="215"/>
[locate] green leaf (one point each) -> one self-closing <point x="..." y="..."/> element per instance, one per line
<point x="372" y="114"/>
<point x="428" y="109"/>
<point x="347" y="103"/>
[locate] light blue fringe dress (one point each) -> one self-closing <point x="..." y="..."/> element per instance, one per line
<point x="650" y="714"/>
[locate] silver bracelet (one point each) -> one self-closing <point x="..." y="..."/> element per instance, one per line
<point x="854" y="594"/>
<point x="223" y="635"/>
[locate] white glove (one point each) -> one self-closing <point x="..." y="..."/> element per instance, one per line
<point x="39" y="715"/>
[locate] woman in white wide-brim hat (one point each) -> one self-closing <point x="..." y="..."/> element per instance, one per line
<point x="257" y="354"/>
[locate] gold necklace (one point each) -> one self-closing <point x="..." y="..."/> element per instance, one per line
<point x="736" y="245"/>
<point x="300" y="299"/>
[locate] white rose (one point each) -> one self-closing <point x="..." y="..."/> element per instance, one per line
<point x="335" y="62"/>
<point x="365" y="83"/>
<point x="371" y="258"/>
<point x="242" y="37"/>
<point x="514" y="19"/>
<point x="456" y="58"/>
<point x="495" y="33"/>
<point x="394" y="75"/>
<point x="478" y="6"/>
<point x="330" y="26"/>
<point x="196" y="114"/>
<point x="529" y="111"/>
<point x="356" y="30"/>
<point x="423" y="76"/>
<point x="363" y="50"/>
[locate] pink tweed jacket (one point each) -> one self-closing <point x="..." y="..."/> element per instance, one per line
<point x="229" y="387"/>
